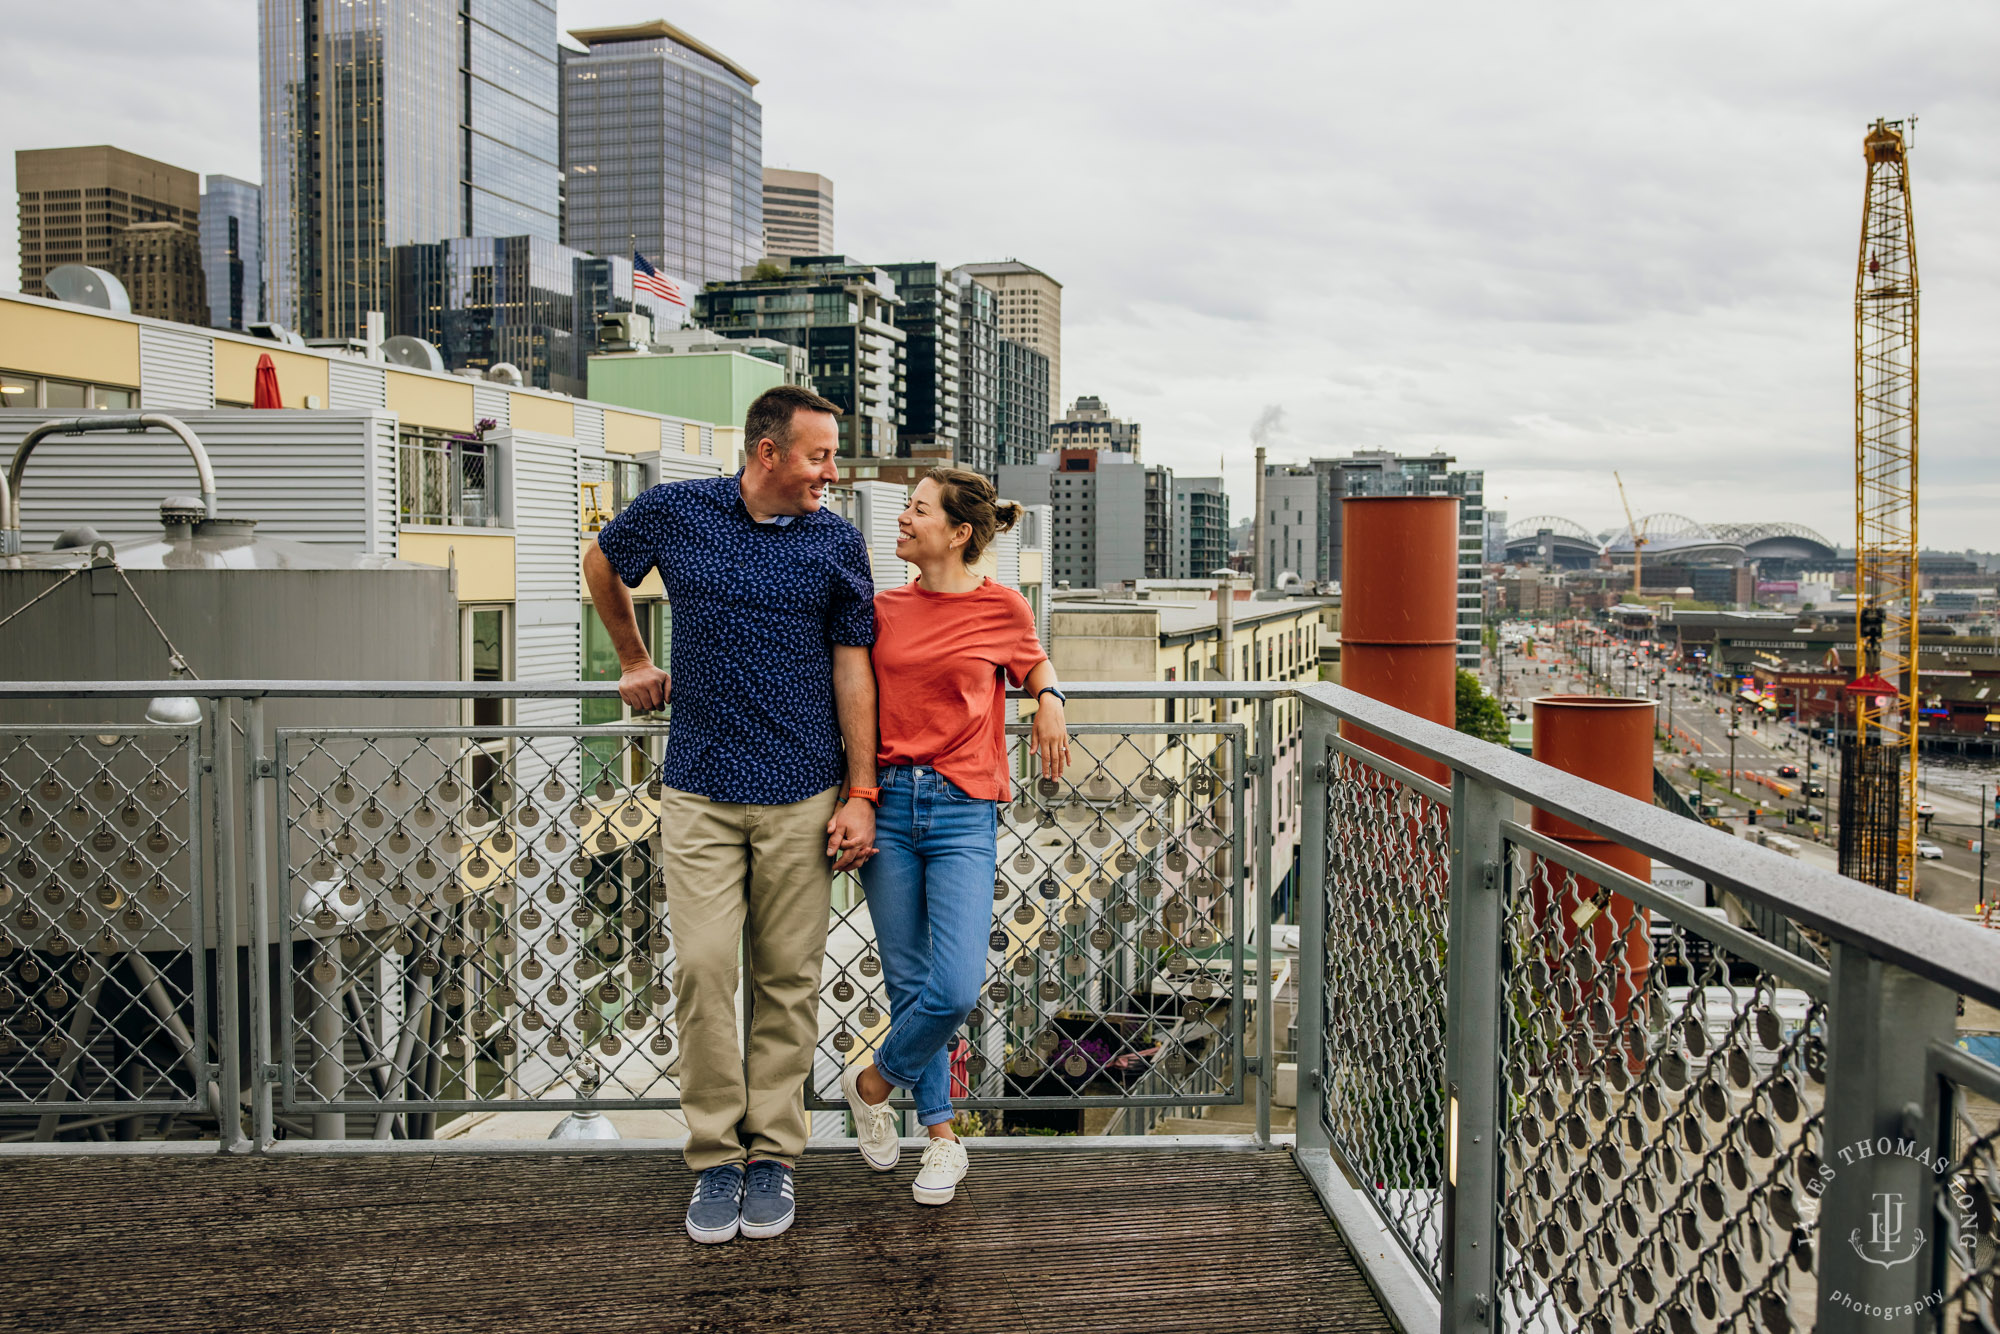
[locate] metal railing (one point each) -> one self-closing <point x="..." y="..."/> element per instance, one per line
<point x="1557" y="1097"/>
<point x="407" y="923"/>
<point x="1573" y="1101"/>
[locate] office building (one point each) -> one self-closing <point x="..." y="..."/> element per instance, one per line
<point x="663" y="152"/>
<point x="389" y="124"/>
<point x="1201" y="527"/>
<point x="1030" y="311"/>
<point x="1111" y="517"/>
<point x="798" y="213"/>
<point x="75" y="203"/>
<point x="232" y="252"/>
<point x="929" y="319"/>
<point x="1302" y="520"/>
<point x="160" y="265"/>
<point x="978" y="375"/>
<point x="846" y="315"/>
<point x="1496" y="536"/>
<point x="1020" y="404"/>
<point x="519" y="300"/>
<point x="1089" y="425"/>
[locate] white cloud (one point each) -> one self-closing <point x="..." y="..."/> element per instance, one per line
<point x="1552" y="238"/>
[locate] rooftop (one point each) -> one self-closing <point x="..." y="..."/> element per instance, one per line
<point x="638" y="32"/>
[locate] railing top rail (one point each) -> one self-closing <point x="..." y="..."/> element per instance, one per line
<point x="1250" y="690"/>
<point x="1929" y="943"/>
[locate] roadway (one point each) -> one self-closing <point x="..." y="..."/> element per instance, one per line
<point x="1699" y="739"/>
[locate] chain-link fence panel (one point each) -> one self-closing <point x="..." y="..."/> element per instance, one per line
<point x="104" y="919"/>
<point x="1663" y="1090"/>
<point x="472" y="919"/>
<point x="1115" y="965"/>
<point x="1967" y="1204"/>
<point x="1387" y="892"/>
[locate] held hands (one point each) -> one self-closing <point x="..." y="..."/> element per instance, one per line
<point x="1051" y="737"/>
<point x="645" y="687"/>
<point x="850" y="834"/>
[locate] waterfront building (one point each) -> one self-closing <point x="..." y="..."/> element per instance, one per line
<point x="232" y="252"/>
<point x="1089" y="425"/>
<point x="1111" y="517"/>
<point x="1030" y="311"/>
<point x="798" y="213"/>
<point x="389" y="124"/>
<point x="520" y="300"/>
<point x="76" y="202"/>
<point x="662" y="152"/>
<point x="1020" y="404"/>
<point x="845" y="315"/>
<point x="1201" y="527"/>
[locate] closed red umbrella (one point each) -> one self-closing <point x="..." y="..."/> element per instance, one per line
<point x="266" y="394"/>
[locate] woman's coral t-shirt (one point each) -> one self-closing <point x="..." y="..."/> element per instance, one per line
<point x="943" y="662"/>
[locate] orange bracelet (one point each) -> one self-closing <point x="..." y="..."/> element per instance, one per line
<point x="871" y="795"/>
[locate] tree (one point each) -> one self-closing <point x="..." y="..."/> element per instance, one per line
<point x="768" y="269"/>
<point x="1479" y="714"/>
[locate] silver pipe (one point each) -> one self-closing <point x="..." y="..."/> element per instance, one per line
<point x="10" y="538"/>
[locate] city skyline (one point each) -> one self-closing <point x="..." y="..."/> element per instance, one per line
<point x="1547" y="252"/>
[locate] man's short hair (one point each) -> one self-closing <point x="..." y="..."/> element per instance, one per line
<point x="770" y="417"/>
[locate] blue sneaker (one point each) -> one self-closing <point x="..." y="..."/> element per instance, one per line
<point x="716" y="1211"/>
<point x="767" y="1202"/>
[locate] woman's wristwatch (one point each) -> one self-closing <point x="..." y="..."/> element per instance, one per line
<point x="1051" y="690"/>
<point x="871" y="795"/>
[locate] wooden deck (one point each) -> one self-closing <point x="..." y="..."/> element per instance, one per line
<point x="1060" y="1240"/>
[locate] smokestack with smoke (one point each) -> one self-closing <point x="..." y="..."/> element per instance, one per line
<point x="1268" y="423"/>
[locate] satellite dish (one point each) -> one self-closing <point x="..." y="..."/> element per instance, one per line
<point x="81" y="285"/>
<point x="403" y="350"/>
<point x="504" y="372"/>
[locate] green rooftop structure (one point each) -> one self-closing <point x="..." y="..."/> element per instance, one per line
<point x="716" y="387"/>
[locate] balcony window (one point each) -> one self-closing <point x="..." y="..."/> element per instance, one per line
<point x="444" y="480"/>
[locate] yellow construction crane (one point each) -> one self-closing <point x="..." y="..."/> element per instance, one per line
<point x="1879" y="773"/>
<point x="1638" y="534"/>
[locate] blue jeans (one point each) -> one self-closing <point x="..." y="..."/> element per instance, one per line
<point x="930" y="896"/>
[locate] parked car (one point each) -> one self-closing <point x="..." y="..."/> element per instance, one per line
<point x="1788" y="771"/>
<point x="1928" y="850"/>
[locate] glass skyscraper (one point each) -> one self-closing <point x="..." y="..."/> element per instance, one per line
<point x="232" y="252"/>
<point x="518" y="299"/>
<point x="663" y="152"/>
<point x="392" y="122"/>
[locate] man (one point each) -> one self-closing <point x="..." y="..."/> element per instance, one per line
<point x="773" y="618"/>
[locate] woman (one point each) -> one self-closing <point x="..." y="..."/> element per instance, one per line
<point x="946" y="647"/>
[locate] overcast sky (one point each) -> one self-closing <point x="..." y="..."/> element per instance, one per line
<point x="1552" y="239"/>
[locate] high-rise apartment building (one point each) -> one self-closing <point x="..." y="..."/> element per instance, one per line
<point x="978" y="375"/>
<point x="846" y="316"/>
<point x="929" y="319"/>
<point x="1020" y="405"/>
<point x="75" y="202"/>
<point x="663" y="152"/>
<point x="1030" y="311"/>
<point x="398" y="122"/>
<point x="521" y="300"/>
<point x="798" y="213"/>
<point x="1303" y="520"/>
<point x="1201" y="527"/>
<point x="1111" y="517"/>
<point x="1089" y="425"/>
<point x="232" y="252"/>
<point x="160" y="265"/>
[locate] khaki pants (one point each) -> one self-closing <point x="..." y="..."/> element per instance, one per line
<point x="728" y="868"/>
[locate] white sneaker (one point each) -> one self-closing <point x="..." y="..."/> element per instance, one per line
<point x="944" y="1167"/>
<point x="874" y="1123"/>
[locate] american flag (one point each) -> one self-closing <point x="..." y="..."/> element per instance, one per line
<point x="649" y="279"/>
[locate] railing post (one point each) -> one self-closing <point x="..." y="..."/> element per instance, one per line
<point x="1474" y="1032"/>
<point x="263" y="783"/>
<point x="227" y="1090"/>
<point x="1260" y="891"/>
<point x="1880" y="1118"/>
<point x="1310" y="976"/>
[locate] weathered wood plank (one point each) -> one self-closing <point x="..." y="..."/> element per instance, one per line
<point x="1056" y="1241"/>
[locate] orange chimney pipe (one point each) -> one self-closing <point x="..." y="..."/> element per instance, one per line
<point x="1609" y="742"/>
<point x="1399" y="613"/>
